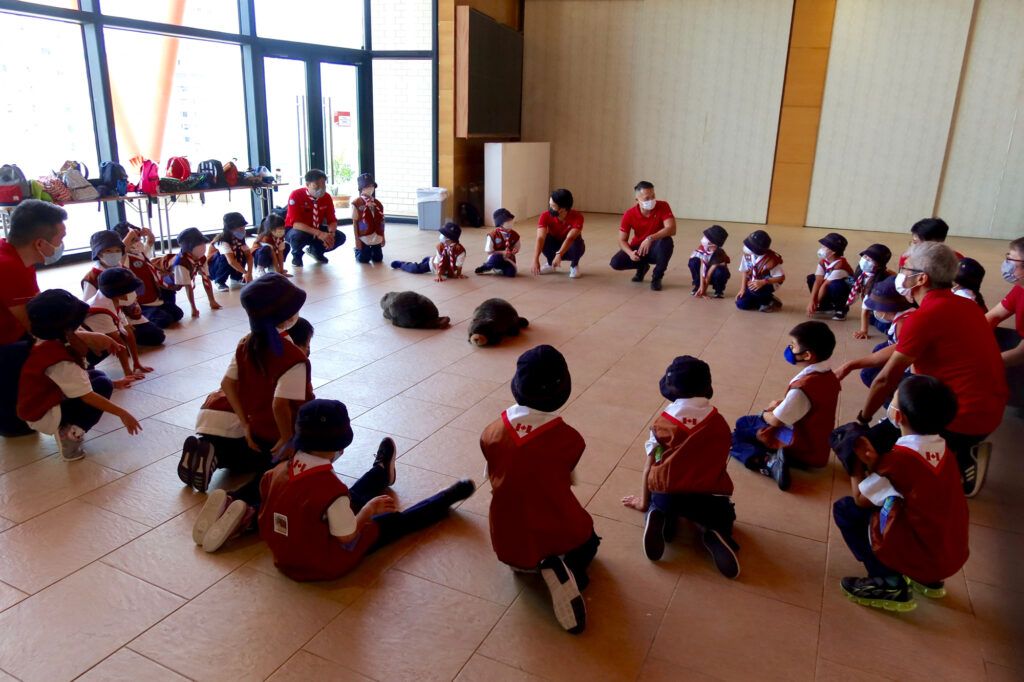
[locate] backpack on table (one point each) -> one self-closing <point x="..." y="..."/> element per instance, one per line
<point x="214" y="170"/>
<point x="114" y="177"/>
<point x="74" y="175"/>
<point x="149" y="180"/>
<point x="230" y="174"/>
<point x="178" y="168"/>
<point x="14" y="186"/>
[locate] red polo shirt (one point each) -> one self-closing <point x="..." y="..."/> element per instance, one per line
<point x="950" y="339"/>
<point x="300" y="209"/>
<point x="643" y="226"/>
<point x="1014" y="302"/>
<point x="560" y="228"/>
<point x="19" y="286"/>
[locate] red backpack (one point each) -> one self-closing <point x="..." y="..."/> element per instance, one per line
<point x="149" y="180"/>
<point x="230" y="174"/>
<point x="178" y="168"/>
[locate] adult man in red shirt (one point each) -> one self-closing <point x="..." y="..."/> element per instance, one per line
<point x="1009" y="340"/>
<point x="312" y="221"/>
<point x="36" y="236"/>
<point x="645" y="236"/>
<point x="559" y="236"/>
<point x="947" y="338"/>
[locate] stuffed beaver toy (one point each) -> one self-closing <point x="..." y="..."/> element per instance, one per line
<point x="412" y="311"/>
<point x="493" y="319"/>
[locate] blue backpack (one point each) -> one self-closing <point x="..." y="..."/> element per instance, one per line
<point x="114" y="178"/>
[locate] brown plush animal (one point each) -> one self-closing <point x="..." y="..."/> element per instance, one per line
<point x="493" y="319"/>
<point x="412" y="311"/>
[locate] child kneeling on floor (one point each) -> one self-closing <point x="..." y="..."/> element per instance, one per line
<point x="536" y="521"/>
<point x="318" y="528"/>
<point x="685" y="470"/>
<point x="56" y="394"/>
<point x="795" y="429"/>
<point x="907" y="519"/>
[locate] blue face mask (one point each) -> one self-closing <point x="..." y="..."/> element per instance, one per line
<point x="239" y="234"/>
<point x="55" y="256"/>
<point x="790" y="356"/>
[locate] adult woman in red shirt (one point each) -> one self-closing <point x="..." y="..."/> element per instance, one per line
<point x="1010" y="340"/>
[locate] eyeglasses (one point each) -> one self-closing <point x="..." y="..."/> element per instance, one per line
<point x="912" y="271"/>
<point x="1013" y="260"/>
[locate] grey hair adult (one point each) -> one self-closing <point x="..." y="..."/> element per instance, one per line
<point x="936" y="260"/>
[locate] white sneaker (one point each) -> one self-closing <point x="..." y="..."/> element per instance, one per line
<point x="546" y="269"/>
<point x="566" y="600"/>
<point x="574" y="272"/>
<point x="69" y="443"/>
<point x="227" y="526"/>
<point x="216" y="503"/>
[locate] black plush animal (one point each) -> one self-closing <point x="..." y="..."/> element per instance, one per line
<point x="493" y="319"/>
<point x="412" y="311"/>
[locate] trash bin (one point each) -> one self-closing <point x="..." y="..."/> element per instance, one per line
<point x="430" y="207"/>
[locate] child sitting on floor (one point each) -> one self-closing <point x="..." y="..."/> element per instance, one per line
<point x="271" y="249"/>
<point x="502" y="245"/>
<point x="157" y="301"/>
<point x="446" y="263"/>
<point x="871" y="269"/>
<point x="907" y="519"/>
<point x="796" y="428"/>
<point x="182" y="268"/>
<point x="762" y="274"/>
<point x="967" y="282"/>
<point x="107" y="251"/>
<point x="892" y="310"/>
<point x="107" y="315"/>
<point x="536" y="521"/>
<point x="829" y="285"/>
<point x="685" y="469"/>
<point x="232" y="258"/>
<point x="56" y="394"/>
<point x="709" y="263"/>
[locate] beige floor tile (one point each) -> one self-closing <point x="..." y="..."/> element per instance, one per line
<point x="613" y="646"/>
<point x="804" y="510"/>
<point x="168" y="358"/>
<point x="835" y="672"/>
<point x="598" y="461"/>
<point x="48" y="483"/>
<point x="10" y="596"/>
<point x="204" y="640"/>
<point x="126" y="453"/>
<point x="1001" y="628"/>
<point x="5" y="524"/>
<point x="657" y="670"/>
<point x="407" y="417"/>
<point x="364" y="387"/>
<point x="482" y="669"/>
<point x="182" y="385"/>
<point x="138" y="403"/>
<point x="17" y="452"/>
<point x="412" y="484"/>
<point x="621" y="571"/>
<point x="151" y="495"/>
<point x="127" y="666"/>
<point x="997" y="558"/>
<point x="182" y="415"/>
<point x="167" y="557"/>
<point x="334" y="362"/>
<point x="50" y="546"/>
<point x="358" y="457"/>
<point x="457" y="554"/>
<point x="453" y="390"/>
<point x="449" y="625"/>
<point x="449" y="451"/>
<point x="72" y="625"/>
<point x="305" y="667"/>
<point x="480" y="416"/>
<point x="606" y="423"/>
<point x="607" y="502"/>
<point x="785" y="634"/>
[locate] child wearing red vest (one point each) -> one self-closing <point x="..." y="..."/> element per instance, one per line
<point x="157" y="301"/>
<point x="762" y="274"/>
<point x="107" y="251"/>
<point x="271" y="249"/>
<point x="685" y="470"/>
<point x="536" y="521"/>
<point x="367" y="222"/>
<point x="233" y="258"/>
<point x="265" y="384"/>
<point x="108" y="315"/>
<point x="907" y="518"/>
<point x="182" y="268"/>
<point x="829" y="285"/>
<point x="709" y="263"/>
<point x="56" y="394"/>
<point x="795" y="429"/>
<point x="446" y="263"/>
<point x="502" y="246"/>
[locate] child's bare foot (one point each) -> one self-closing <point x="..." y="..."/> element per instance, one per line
<point x="195" y="312"/>
<point x="215" y="306"/>
<point x="143" y="369"/>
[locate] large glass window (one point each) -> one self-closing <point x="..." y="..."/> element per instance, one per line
<point x="339" y="93"/>
<point x="403" y="131"/>
<point x="216" y="15"/>
<point x="338" y="23"/>
<point x="401" y="24"/>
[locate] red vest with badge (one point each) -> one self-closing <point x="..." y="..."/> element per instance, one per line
<point x="293" y="522"/>
<point x="692" y="455"/>
<point x="449" y="255"/>
<point x="838" y="264"/>
<point x="141" y="267"/>
<point x="762" y="268"/>
<point x="256" y="385"/>
<point x="92" y="277"/>
<point x="370" y="221"/>
<point x="38" y="393"/>
<point x="505" y="240"/>
<point x="810" y="434"/>
<point x="923" y="534"/>
<point x="534" y="513"/>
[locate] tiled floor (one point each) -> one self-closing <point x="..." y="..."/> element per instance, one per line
<point x="99" y="576"/>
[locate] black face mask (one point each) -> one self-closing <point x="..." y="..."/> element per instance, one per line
<point x="553" y="212"/>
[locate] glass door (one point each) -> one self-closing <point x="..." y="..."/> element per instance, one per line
<point x="339" y="99"/>
<point x="287" y="118"/>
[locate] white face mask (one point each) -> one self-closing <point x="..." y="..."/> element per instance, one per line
<point x="883" y="317"/>
<point x="130" y="299"/>
<point x="111" y="260"/>
<point x="901" y="285"/>
<point x="278" y="233"/>
<point x="706" y="243"/>
<point x="747" y="252"/>
<point x="866" y="264"/>
<point x="823" y="253"/>
<point x="890" y="412"/>
<point x="648" y="205"/>
<point x="318" y="192"/>
<point x="441" y="238"/>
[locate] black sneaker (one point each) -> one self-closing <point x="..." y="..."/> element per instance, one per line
<point x="719" y="294"/>
<point x="654" y="534"/>
<point x="936" y="590"/>
<point x="318" y="257"/>
<point x="891" y="594"/>
<point x="459" y="491"/>
<point x="839" y="316"/>
<point x="297" y="263"/>
<point x="385" y="458"/>
<point x="641" y="271"/>
<point x="779" y="470"/>
<point x="480" y="270"/>
<point x="722" y="554"/>
<point x="973" y="475"/>
<point x="570" y="609"/>
<point x="188" y="453"/>
<point x="656" y="284"/>
<point x="203" y="465"/>
<point x="671" y="526"/>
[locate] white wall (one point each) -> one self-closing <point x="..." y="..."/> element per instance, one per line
<point x="516" y="178"/>
<point x="684" y="94"/>
<point x="893" y="73"/>
<point x="983" y="190"/>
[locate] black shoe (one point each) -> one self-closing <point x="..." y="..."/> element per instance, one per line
<point x="779" y="470"/>
<point x="879" y="593"/>
<point x="318" y="257"/>
<point x="719" y="294"/>
<point x="296" y="263"/>
<point x="480" y="270"/>
<point x="459" y="491"/>
<point x="566" y="600"/>
<point x="722" y="554"/>
<point x="671" y="526"/>
<point x="641" y="271"/>
<point x="188" y="454"/>
<point x="654" y="534"/>
<point x="385" y="459"/>
<point x="936" y="590"/>
<point x="656" y="284"/>
<point x="204" y="463"/>
<point x="839" y="316"/>
<point x="973" y="474"/>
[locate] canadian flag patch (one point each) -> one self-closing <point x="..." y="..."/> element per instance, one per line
<point x="933" y="457"/>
